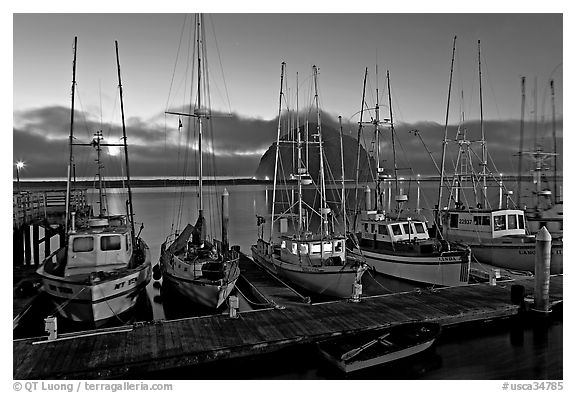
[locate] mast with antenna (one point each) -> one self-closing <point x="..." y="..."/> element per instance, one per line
<point x="556" y="198"/>
<point x="523" y="81"/>
<point x="130" y="206"/>
<point x="323" y="206"/>
<point x="483" y="136"/>
<point x="71" y="142"/>
<point x="282" y="67"/>
<point x="344" y="215"/>
<point x="358" y="146"/>
<point x="445" y="140"/>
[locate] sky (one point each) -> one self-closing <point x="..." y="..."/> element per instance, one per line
<point x="245" y="58"/>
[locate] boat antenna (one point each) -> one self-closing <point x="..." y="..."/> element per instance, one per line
<point x="299" y="165"/>
<point x="282" y="67"/>
<point x="445" y="140"/>
<point x="522" y="106"/>
<point x="130" y="206"/>
<point x="483" y="137"/>
<point x="71" y="157"/>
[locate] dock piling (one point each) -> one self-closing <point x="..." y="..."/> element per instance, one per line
<point x="542" y="271"/>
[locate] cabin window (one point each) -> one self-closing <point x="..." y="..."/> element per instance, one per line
<point x="453" y="220"/>
<point x="486" y="220"/>
<point x="294" y="248"/>
<point x="83" y="244"/>
<point x="128" y="243"/>
<point x="373" y="227"/>
<point x="520" y="221"/>
<point x="316" y="248"/>
<point x="303" y="248"/>
<point x="338" y="247"/>
<point x="407" y="228"/>
<point x="499" y="223"/>
<point x="382" y="230"/>
<point x="396" y="230"/>
<point x="419" y="227"/>
<point x="477" y="220"/>
<point x="327" y="247"/>
<point x="283" y="244"/>
<point x="365" y="227"/>
<point x="512" y="221"/>
<point x="110" y="243"/>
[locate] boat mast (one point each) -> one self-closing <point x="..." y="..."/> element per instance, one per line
<point x="344" y="215"/>
<point x="130" y="207"/>
<point x="200" y="42"/>
<point x="554" y="141"/>
<point x="98" y="146"/>
<point x="283" y="65"/>
<point x="445" y="140"/>
<point x="323" y="207"/>
<point x="299" y="165"/>
<point x="483" y="138"/>
<point x="522" y="106"/>
<point x="392" y="134"/>
<point x="377" y="153"/>
<point x="359" y="145"/>
<point x="71" y="157"/>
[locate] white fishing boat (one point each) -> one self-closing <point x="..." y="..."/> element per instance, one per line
<point x="355" y="352"/>
<point x="104" y="265"/>
<point x="399" y="246"/>
<point x="192" y="262"/>
<point x="315" y="261"/>
<point x="497" y="235"/>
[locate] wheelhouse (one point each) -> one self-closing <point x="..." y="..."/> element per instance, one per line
<point x="374" y="226"/>
<point x="99" y="247"/>
<point x="486" y="224"/>
<point x="315" y="251"/>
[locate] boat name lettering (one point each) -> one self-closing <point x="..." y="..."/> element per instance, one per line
<point x="130" y="282"/>
<point x="447" y="259"/>
<point x="464" y="221"/>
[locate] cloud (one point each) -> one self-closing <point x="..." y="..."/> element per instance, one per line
<point x="41" y="137"/>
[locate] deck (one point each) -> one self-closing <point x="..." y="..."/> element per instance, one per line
<point x="163" y="345"/>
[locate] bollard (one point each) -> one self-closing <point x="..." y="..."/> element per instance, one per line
<point x="51" y="327"/>
<point x="356" y="292"/>
<point x="234" y="305"/>
<point x="542" y="271"/>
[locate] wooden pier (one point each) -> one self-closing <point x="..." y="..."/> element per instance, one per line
<point x="32" y="210"/>
<point x="162" y="345"/>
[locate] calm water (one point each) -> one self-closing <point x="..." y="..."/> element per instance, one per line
<point x="511" y="349"/>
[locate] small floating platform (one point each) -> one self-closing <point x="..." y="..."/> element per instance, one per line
<point x="162" y="345"/>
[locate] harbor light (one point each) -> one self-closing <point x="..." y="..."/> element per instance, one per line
<point x="19" y="166"/>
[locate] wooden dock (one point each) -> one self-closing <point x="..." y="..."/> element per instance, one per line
<point x="162" y="345"/>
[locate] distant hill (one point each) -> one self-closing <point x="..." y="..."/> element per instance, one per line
<point x="332" y="161"/>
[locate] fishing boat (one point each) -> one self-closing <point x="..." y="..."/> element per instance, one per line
<point x="316" y="261"/>
<point x="395" y="244"/>
<point x="103" y="266"/>
<point x="192" y="262"/>
<point x="547" y="206"/>
<point x="354" y="352"/>
<point x="497" y="234"/>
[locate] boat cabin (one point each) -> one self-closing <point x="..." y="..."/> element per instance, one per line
<point x="313" y="251"/>
<point x="375" y="226"/>
<point x="99" y="247"/>
<point x="484" y="224"/>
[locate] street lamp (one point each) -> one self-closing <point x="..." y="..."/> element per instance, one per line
<point x="19" y="165"/>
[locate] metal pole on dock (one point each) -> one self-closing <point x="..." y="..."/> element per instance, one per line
<point x="542" y="271"/>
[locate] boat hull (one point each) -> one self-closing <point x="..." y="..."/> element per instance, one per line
<point x="379" y="346"/>
<point x="516" y="256"/>
<point x="333" y="281"/>
<point x="444" y="270"/>
<point x="98" y="300"/>
<point x="179" y="276"/>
